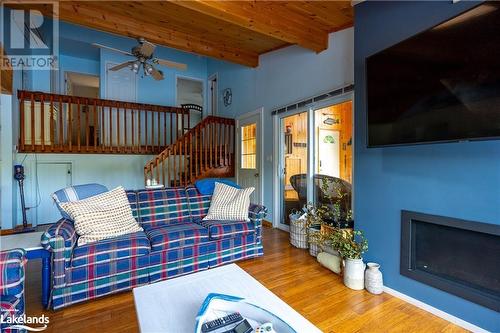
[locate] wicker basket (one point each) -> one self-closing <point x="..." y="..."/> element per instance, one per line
<point x="298" y="231"/>
<point x="314" y="248"/>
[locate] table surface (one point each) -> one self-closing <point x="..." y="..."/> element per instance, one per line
<point x="172" y="305"/>
<point x="28" y="241"/>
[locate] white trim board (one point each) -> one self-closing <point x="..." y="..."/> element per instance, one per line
<point x="435" y="311"/>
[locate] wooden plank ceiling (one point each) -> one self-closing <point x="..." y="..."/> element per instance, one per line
<point x="236" y="31"/>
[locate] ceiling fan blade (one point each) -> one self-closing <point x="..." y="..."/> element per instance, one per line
<point x="146" y="48"/>
<point x="122" y="65"/>
<point x="112" y="49"/>
<point x="171" y="64"/>
<point x="157" y="74"/>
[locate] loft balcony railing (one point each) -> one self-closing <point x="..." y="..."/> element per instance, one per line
<point x="52" y="123"/>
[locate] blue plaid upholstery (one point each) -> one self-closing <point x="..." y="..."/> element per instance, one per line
<point x="171" y="263"/>
<point x="175" y="236"/>
<point x="12" y="263"/>
<point x="123" y="267"/>
<point x="60" y="239"/>
<point x="198" y="203"/>
<point x="76" y="192"/>
<point x="164" y="206"/>
<point x="132" y="199"/>
<point x="91" y="289"/>
<point x="232" y="249"/>
<point x="172" y="245"/>
<point x="122" y="247"/>
<point x="227" y="229"/>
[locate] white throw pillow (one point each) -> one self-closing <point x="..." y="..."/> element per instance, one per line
<point x="229" y="203"/>
<point x="102" y="216"/>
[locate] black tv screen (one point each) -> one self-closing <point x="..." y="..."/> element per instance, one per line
<point x="440" y="85"/>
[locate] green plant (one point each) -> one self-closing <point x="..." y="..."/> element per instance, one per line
<point x="351" y="245"/>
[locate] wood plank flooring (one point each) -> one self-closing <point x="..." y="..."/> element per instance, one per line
<point x="290" y="273"/>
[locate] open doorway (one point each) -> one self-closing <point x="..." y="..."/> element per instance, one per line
<point x="190" y="94"/>
<point x="83" y="85"/>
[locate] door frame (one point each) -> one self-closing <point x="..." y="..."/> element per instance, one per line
<point x="311" y="163"/>
<point x="191" y="78"/>
<point x="260" y="137"/>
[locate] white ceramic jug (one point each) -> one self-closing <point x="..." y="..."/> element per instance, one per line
<point x="373" y="279"/>
<point x="354" y="274"/>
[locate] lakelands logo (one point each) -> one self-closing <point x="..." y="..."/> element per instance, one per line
<point x="29" y="35"/>
<point x="24" y="322"/>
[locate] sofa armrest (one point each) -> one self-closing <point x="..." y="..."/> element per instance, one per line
<point x="60" y="239"/>
<point x="12" y="263"/>
<point x="257" y="212"/>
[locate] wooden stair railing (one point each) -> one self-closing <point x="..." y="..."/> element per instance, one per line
<point x="52" y="123"/>
<point x="206" y="150"/>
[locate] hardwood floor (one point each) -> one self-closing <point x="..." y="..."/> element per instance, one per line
<point x="290" y="273"/>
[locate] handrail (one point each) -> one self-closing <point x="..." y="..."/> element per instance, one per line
<point x="207" y="148"/>
<point x="74" y="124"/>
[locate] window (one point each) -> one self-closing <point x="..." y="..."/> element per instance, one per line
<point x="248" y="146"/>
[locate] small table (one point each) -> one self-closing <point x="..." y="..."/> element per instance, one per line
<point x="172" y="305"/>
<point x="30" y="242"/>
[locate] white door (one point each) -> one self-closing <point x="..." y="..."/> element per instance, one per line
<point x="249" y="144"/>
<point x="328" y="152"/>
<point x="120" y="86"/>
<point x="51" y="177"/>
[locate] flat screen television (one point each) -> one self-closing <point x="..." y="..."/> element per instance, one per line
<point x="440" y="85"/>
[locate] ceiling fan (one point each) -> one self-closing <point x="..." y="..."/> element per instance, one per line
<point x="144" y="58"/>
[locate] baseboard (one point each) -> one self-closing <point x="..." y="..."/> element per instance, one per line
<point x="446" y="316"/>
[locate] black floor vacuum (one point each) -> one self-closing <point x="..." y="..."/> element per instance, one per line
<point x="19" y="176"/>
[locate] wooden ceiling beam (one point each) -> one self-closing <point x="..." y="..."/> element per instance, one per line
<point x="264" y="18"/>
<point x="89" y="14"/>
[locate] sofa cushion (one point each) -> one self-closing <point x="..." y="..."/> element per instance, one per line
<point x="76" y="192"/>
<point x="126" y="246"/>
<point x="103" y="216"/>
<point x="163" y="206"/>
<point x="218" y="229"/>
<point x="229" y="203"/>
<point x="198" y="203"/>
<point x="132" y="199"/>
<point x="206" y="186"/>
<point x="12" y="272"/>
<point x="168" y="237"/>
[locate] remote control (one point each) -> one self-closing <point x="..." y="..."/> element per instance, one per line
<point x="221" y="322"/>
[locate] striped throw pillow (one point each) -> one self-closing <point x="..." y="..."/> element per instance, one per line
<point x="229" y="203"/>
<point x="102" y="216"/>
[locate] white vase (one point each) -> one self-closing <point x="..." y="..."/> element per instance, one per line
<point x="373" y="279"/>
<point x="354" y="274"/>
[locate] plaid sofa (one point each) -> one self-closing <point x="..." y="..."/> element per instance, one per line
<point x="12" y="287"/>
<point x="175" y="241"/>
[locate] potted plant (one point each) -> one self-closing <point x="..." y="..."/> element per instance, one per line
<point x="313" y="227"/>
<point x="336" y="207"/>
<point x="351" y="246"/>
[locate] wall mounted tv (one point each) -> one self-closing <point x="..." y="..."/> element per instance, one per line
<point x="440" y="85"/>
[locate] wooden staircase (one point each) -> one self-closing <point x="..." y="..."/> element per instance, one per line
<point x="206" y="150"/>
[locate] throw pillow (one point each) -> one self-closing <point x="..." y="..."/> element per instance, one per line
<point x="102" y="216"/>
<point x="206" y="186"/>
<point x="229" y="203"/>
<point x="76" y="192"/>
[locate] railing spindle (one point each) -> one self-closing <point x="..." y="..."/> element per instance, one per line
<point x="70" y="124"/>
<point x="51" y="122"/>
<point x="22" y="133"/>
<point x="94" y="118"/>
<point x="78" y="125"/>
<point x="32" y="122"/>
<point x="87" y="127"/>
<point x="60" y="135"/>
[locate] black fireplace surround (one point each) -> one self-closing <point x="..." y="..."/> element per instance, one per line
<point x="457" y="256"/>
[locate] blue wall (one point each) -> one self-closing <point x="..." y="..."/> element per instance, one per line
<point x="460" y="180"/>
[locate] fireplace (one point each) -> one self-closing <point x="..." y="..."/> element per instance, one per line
<point x="457" y="256"/>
